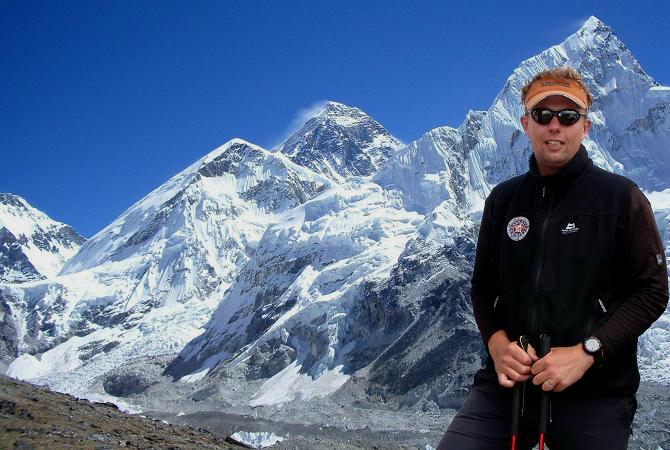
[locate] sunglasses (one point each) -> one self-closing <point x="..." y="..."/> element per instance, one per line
<point x="565" y="117"/>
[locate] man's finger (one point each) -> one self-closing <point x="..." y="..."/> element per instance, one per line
<point x="518" y="367"/>
<point x="546" y="387"/>
<point x="505" y="381"/>
<point x="514" y="375"/>
<point x="520" y="355"/>
<point x="532" y="353"/>
<point x="538" y="366"/>
<point x="540" y="379"/>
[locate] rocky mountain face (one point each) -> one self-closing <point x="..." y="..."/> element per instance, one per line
<point x="340" y="142"/>
<point x="337" y="260"/>
<point x="32" y="245"/>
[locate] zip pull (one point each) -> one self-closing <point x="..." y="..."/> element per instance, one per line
<point x="602" y="306"/>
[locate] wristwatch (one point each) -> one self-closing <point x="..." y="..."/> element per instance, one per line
<point x="593" y="347"/>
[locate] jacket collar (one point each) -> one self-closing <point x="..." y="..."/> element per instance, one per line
<point x="569" y="173"/>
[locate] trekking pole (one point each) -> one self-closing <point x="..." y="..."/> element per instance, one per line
<point x="516" y="398"/>
<point x="545" y="348"/>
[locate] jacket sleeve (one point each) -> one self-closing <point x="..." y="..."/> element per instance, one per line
<point x="484" y="292"/>
<point x="647" y="295"/>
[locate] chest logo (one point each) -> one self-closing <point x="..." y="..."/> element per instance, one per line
<point x="517" y="228"/>
<point x="570" y="228"/>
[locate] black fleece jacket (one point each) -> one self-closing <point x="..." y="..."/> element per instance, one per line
<point x="573" y="255"/>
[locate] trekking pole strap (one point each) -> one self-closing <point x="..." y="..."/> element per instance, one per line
<point x="516" y="398"/>
<point x="545" y="348"/>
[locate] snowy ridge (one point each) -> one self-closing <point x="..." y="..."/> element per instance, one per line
<point x="32" y="245"/>
<point x="434" y="169"/>
<point x="233" y="170"/>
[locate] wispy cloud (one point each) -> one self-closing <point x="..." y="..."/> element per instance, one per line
<point x="302" y="116"/>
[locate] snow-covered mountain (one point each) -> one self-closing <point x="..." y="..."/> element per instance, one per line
<point x="629" y="116"/>
<point x="340" y="142"/>
<point x="340" y="255"/>
<point x="32" y="245"/>
<point x="153" y="276"/>
<point x="293" y="301"/>
<point x="629" y="135"/>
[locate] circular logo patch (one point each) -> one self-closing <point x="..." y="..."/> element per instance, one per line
<point x="517" y="228"/>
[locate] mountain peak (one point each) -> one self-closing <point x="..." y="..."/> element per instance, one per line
<point x="333" y="105"/>
<point x="593" y="25"/>
<point x="340" y="141"/>
<point x="14" y="200"/>
<point x="338" y="114"/>
<point x="233" y="143"/>
<point x="32" y="245"/>
<point x="336" y="108"/>
<point x="594" y="32"/>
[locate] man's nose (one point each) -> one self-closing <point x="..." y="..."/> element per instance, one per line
<point x="554" y="124"/>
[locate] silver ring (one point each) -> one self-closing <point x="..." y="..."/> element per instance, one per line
<point x="551" y="386"/>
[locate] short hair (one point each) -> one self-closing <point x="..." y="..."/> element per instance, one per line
<point x="567" y="73"/>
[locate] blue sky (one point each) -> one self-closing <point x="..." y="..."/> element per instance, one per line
<point x="103" y="101"/>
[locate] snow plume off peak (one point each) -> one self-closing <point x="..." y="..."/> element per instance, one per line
<point x="301" y="117"/>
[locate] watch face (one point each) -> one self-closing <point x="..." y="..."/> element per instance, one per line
<point x="592" y="345"/>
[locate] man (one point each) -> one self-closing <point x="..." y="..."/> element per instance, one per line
<point x="571" y="251"/>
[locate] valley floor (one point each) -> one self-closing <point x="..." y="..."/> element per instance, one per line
<point x="33" y="417"/>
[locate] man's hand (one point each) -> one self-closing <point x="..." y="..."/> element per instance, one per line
<point x="511" y="362"/>
<point x="561" y="368"/>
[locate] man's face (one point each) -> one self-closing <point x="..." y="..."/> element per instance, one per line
<point x="554" y="145"/>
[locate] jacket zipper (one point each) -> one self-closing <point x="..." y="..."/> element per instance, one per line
<point x="539" y="257"/>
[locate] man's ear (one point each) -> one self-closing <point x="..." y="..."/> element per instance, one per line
<point x="587" y="127"/>
<point x="524" y="123"/>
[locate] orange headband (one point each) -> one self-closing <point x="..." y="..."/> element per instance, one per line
<point x="547" y="87"/>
